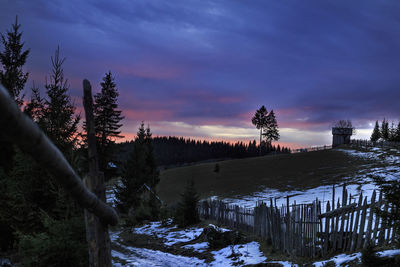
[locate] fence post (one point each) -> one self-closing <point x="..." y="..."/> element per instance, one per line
<point x="96" y="232"/>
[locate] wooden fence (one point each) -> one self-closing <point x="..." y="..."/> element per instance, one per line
<point x="303" y="230"/>
<point x="368" y="143"/>
<point x="309" y="149"/>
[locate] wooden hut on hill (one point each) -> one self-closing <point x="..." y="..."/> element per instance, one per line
<point x="341" y="135"/>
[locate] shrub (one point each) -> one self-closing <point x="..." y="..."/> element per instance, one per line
<point x="187" y="212"/>
<point x="62" y="244"/>
<point x="216" y="168"/>
<point x="369" y="257"/>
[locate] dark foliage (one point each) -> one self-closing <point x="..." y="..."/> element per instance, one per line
<point x="369" y="257"/>
<point x="187" y="211"/>
<point x="173" y="151"/>
<point x="138" y="170"/>
<point x="376" y="134"/>
<point x="391" y="192"/>
<point x="107" y="119"/>
<point x="13" y="78"/>
<point x="59" y="119"/>
<point x="13" y="58"/>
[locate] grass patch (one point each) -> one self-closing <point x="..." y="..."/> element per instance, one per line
<point x="244" y="176"/>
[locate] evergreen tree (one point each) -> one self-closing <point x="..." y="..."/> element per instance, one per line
<point x="392" y="132"/>
<point x="139" y="169"/>
<point x="376" y="134"/>
<point x="397" y="133"/>
<point x="260" y="121"/>
<point x="59" y="113"/>
<point x="35" y="107"/>
<point x="385" y="130"/>
<point x="107" y="119"/>
<point x="272" y="132"/>
<point x="187" y="211"/>
<point x="13" y="59"/>
<point x="13" y="78"/>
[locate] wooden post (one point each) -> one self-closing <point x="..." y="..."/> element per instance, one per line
<point x="96" y="232"/>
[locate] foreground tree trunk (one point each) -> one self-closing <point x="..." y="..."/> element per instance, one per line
<point x="96" y="232"/>
<point x="17" y="128"/>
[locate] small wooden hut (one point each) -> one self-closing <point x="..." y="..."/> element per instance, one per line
<point x="341" y="135"/>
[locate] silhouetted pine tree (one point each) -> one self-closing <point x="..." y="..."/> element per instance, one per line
<point x="13" y="59"/>
<point x="385" y="130"/>
<point x="397" y="133"/>
<point x="376" y="134"/>
<point x="272" y="132"/>
<point x="139" y="169"/>
<point x="59" y="114"/>
<point x="107" y="119"/>
<point x="187" y="211"/>
<point x="13" y="78"/>
<point x="260" y="121"/>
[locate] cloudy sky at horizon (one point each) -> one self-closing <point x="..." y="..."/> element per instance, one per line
<point x="201" y="68"/>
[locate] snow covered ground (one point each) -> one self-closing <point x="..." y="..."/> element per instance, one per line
<point x="341" y="259"/>
<point x="356" y="184"/>
<point x="388" y="166"/>
<point x="229" y="256"/>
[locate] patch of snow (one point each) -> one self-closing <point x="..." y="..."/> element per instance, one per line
<point x="149" y="257"/>
<point x="199" y="247"/>
<point x="182" y="236"/>
<point x="219" y="229"/>
<point x="170" y="233"/>
<point x="388" y="253"/>
<point x="246" y="254"/>
<point x="284" y="263"/>
<point x="339" y="259"/>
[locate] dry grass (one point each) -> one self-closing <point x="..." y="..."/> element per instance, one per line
<point x="245" y="176"/>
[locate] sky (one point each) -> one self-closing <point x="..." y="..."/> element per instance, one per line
<point x="200" y="69"/>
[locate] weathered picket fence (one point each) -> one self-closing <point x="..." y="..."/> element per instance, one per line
<point x="303" y="230"/>
<point x="312" y="148"/>
<point x="369" y="143"/>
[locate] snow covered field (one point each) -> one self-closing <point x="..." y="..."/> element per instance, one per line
<point x="387" y="166"/>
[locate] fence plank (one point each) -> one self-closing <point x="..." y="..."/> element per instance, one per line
<point x="371" y="215"/>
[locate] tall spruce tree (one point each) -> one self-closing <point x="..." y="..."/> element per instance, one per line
<point x="272" y="132"/>
<point x="385" y="130"/>
<point x="376" y="134"/>
<point x="139" y="169"/>
<point x="107" y="119"/>
<point x="13" y="78"/>
<point x="13" y="58"/>
<point x="59" y="113"/>
<point x="397" y="133"/>
<point x="260" y="121"/>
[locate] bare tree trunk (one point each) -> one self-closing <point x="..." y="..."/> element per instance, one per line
<point x="19" y="129"/>
<point x="96" y="232"/>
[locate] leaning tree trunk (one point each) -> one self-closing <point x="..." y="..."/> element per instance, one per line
<point x="17" y="128"/>
<point x="96" y="232"/>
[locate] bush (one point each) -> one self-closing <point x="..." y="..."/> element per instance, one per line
<point x="216" y="168"/>
<point x="369" y="257"/>
<point x="187" y="211"/>
<point x="217" y="239"/>
<point x="62" y="244"/>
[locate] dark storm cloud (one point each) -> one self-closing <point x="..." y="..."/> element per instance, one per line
<point x="213" y="62"/>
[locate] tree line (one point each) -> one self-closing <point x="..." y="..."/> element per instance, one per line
<point x="171" y="151"/>
<point x="385" y="132"/>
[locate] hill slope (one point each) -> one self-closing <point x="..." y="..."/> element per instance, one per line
<point x="245" y="176"/>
